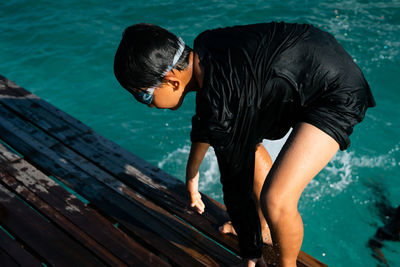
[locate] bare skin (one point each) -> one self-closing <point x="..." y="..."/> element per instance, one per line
<point x="262" y="166"/>
<point x="263" y="163"/>
<point x="196" y="156"/>
<point x="176" y="84"/>
<point x="304" y="154"/>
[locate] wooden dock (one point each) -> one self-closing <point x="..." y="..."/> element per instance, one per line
<point x="70" y="197"/>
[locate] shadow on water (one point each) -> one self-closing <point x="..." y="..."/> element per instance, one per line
<point x="389" y="216"/>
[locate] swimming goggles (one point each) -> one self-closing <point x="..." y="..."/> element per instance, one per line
<point x="146" y="96"/>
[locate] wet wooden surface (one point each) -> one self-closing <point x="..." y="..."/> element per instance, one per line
<point x="131" y="213"/>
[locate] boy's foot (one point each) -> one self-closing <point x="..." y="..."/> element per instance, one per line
<point x="227" y="228"/>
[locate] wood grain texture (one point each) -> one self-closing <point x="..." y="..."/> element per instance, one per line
<point x="41" y="235"/>
<point x="83" y="223"/>
<point x="74" y="148"/>
<point x="17" y="252"/>
<point x="137" y="215"/>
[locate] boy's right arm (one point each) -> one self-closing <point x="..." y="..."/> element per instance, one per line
<point x="196" y="156"/>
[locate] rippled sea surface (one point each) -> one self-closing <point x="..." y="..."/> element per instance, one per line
<point x="63" y="51"/>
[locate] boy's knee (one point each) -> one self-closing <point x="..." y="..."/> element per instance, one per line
<point x="274" y="205"/>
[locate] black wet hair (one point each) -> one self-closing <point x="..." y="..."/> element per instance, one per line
<point x="144" y="53"/>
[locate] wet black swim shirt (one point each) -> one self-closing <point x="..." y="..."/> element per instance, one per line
<point x="261" y="79"/>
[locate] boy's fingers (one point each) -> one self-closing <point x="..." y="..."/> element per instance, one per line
<point x="197" y="203"/>
<point x="199" y="208"/>
<point x="202" y="204"/>
<point x="194" y="204"/>
<point x="202" y="207"/>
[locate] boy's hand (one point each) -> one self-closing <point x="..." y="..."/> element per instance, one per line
<point x="196" y="202"/>
<point x="192" y="186"/>
<point x="197" y="153"/>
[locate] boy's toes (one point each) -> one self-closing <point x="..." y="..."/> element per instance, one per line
<point x="227" y="228"/>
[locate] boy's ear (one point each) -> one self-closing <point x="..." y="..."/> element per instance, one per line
<point x="173" y="80"/>
<point x="175" y="84"/>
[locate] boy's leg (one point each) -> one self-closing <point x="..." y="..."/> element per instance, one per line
<point x="304" y="154"/>
<point x="263" y="163"/>
<point x="262" y="166"/>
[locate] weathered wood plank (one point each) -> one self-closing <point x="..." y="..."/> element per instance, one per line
<point x="160" y="223"/>
<point x="152" y="182"/>
<point x="60" y="220"/>
<point x="40" y="235"/>
<point x="7" y="153"/>
<point x="9" y="89"/>
<point x="115" y="206"/>
<point x="161" y="188"/>
<point x="21" y="256"/>
<point x="6" y="260"/>
<point x="48" y="118"/>
<point x="307" y="260"/>
<point x="92" y="223"/>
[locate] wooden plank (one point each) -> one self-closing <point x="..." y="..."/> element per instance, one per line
<point x="9" y="89"/>
<point x="7" y="153"/>
<point x="154" y="183"/>
<point x="116" y="206"/>
<point x="6" y="260"/>
<point x="94" y="226"/>
<point x="307" y="260"/>
<point x="150" y="181"/>
<point x="165" y="190"/>
<point x="11" y="92"/>
<point x="157" y="221"/>
<point x="61" y="221"/>
<point x="47" y="117"/>
<point x="40" y="235"/>
<point x="15" y="250"/>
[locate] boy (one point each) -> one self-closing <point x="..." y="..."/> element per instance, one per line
<point x="253" y="82"/>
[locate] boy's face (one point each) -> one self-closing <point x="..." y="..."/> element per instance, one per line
<point x="168" y="95"/>
<point x="171" y="92"/>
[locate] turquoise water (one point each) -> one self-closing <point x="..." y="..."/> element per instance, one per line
<point x="63" y="51"/>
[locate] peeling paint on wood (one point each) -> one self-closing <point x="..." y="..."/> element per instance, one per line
<point x="145" y="201"/>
